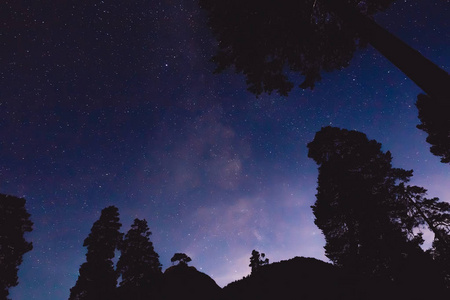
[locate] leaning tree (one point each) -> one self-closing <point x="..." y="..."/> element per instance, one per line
<point x="270" y="42"/>
<point x="267" y="40"/>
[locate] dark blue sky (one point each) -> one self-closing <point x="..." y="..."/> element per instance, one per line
<point x="115" y="104"/>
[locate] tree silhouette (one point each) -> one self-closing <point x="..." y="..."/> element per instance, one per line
<point x="98" y="279"/>
<point x="430" y="212"/>
<point x="138" y="264"/>
<point x="436" y="122"/>
<point x="441" y="254"/>
<point x="366" y="223"/>
<point x="182" y="259"/>
<point x="14" y="223"/>
<point x="266" y="40"/>
<point x="257" y="261"/>
<point x="434" y="214"/>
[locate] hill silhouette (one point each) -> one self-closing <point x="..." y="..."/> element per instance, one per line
<point x="185" y="282"/>
<point x="418" y="274"/>
<point x="304" y="278"/>
<point x="309" y="278"/>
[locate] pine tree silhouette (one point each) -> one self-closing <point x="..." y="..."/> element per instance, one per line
<point x="98" y="279"/>
<point x="138" y="265"/>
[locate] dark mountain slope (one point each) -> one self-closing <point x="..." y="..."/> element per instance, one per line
<point x="184" y="282"/>
<point x="297" y="278"/>
<point x="308" y="278"/>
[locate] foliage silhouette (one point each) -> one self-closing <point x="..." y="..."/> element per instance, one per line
<point x="98" y="279"/>
<point x="436" y="122"/>
<point x="359" y="207"/>
<point x="138" y="264"/>
<point x="423" y="211"/>
<point x="182" y="259"/>
<point x="441" y="254"/>
<point x="436" y="215"/>
<point x="266" y="40"/>
<point x="391" y="276"/>
<point x="257" y="261"/>
<point x="14" y="223"/>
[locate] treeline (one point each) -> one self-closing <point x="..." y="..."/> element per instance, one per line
<point x="372" y="220"/>
<point x="138" y="266"/>
<point x="137" y="274"/>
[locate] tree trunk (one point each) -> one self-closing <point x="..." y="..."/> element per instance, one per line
<point x="428" y="76"/>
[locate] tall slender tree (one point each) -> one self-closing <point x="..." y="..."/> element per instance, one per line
<point x="14" y="223"/>
<point x="267" y="40"/>
<point x="138" y="264"/>
<point x="98" y="279"/>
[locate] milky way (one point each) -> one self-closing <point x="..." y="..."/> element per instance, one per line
<point x="116" y="104"/>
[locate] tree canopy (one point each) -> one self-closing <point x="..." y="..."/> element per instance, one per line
<point x="269" y="40"/>
<point x="181" y="258"/>
<point x="435" y="121"/>
<point x="14" y="223"/>
<point x="366" y="224"/>
<point x="372" y="220"/>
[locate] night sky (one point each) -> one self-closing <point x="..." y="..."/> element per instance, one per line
<point x="115" y="103"/>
